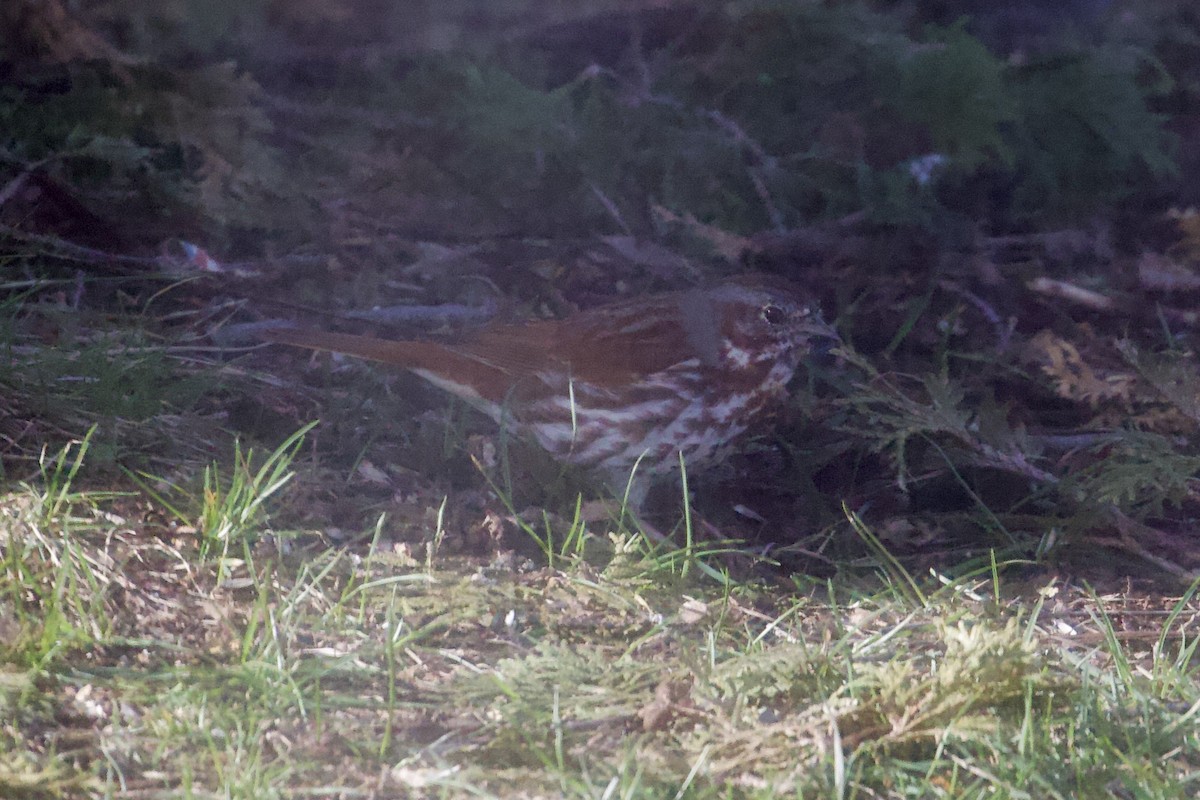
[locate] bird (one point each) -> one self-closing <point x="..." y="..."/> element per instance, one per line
<point x="631" y="388"/>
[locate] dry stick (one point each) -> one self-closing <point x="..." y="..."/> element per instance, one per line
<point x="459" y="313"/>
<point x="67" y="249"/>
<point x="765" y="162"/>
<point x="610" y="207"/>
<point x="1004" y="330"/>
<point x="1072" y="293"/>
<point x="388" y="120"/>
<point x="1129" y="529"/>
<point x="27" y="169"/>
<point x="13" y="186"/>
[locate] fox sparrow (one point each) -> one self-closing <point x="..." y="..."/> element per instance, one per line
<point x="632" y="383"/>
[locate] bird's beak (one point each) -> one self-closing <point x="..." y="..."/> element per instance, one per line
<point x="823" y="337"/>
<point x="818" y="328"/>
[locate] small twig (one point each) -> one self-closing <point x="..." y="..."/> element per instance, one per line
<point x="384" y="121"/>
<point x="764" y="195"/>
<point x="77" y="294"/>
<point x="14" y="186"/>
<point x="610" y="207"/>
<point x="424" y="315"/>
<point x="763" y="161"/>
<point x="636" y="46"/>
<point x="1130" y="529"/>
<point x="1013" y="462"/>
<point x="1180" y="316"/>
<point x="1074" y="441"/>
<point x="1072" y="294"/>
<point x="740" y="136"/>
<point x="1004" y="329"/>
<point x="67" y="249"/>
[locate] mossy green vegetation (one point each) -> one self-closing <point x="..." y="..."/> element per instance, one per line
<point x="341" y="671"/>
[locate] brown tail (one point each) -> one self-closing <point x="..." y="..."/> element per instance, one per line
<point x="411" y="355"/>
<point x="484" y="385"/>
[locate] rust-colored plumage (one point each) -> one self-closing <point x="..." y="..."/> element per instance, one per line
<point x="635" y="382"/>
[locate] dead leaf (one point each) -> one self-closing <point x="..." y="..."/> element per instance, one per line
<point x="672" y="697"/>
<point x="1188" y="222"/>
<point x="692" y="611"/>
<point x="1073" y="377"/>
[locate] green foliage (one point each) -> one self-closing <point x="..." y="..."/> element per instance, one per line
<point x="1140" y="473"/>
<point x="1144" y="468"/>
<point x="56" y="594"/>
<point x="150" y="142"/>
<point x="558" y="681"/>
<point x="1173" y="375"/>
<point x="211" y="118"/>
<point x="937" y="412"/>
<point x="997" y="660"/>
<point x="954" y="88"/>
<point x="1084" y="130"/>
<point x="500" y="113"/>
<point x="979" y="659"/>
<point x="228" y="513"/>
<point x="511" y="142"/>
<point x="132" y="392"/>
<point x="783" y="672"/>
<point x="110" y="380"/>
<point x="777" y="113"/>
<point x="821" y="116"/>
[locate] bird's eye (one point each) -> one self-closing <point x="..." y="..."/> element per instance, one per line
<point x="773" y="315"/>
